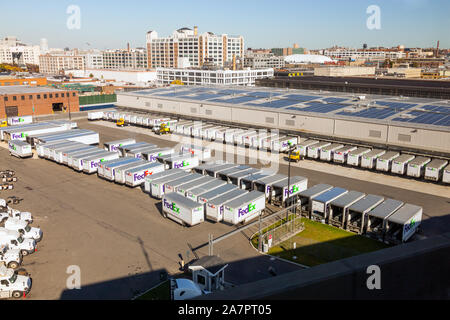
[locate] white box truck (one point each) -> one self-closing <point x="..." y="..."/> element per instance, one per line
<point x="215" y="207"/>
<point x="182" y="210"/>
<point x="416" y="168"/>
<point x="340" y="155"/>
<point x="434" y="170"/>
<point x="399" y="164"/>
<point x="15" y="121"/>
<point x="157" y="189"/>
<point x="327" y="153"/>
<point x="135" y="177"/>
<point x="164" y="174"/>
<point x="13" y="285"/>
<point x="109" y="172"/>
<point x="19" y="149"/>
<point x="244" y="208"/>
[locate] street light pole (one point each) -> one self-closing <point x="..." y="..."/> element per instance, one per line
<point x="289" y="182"/>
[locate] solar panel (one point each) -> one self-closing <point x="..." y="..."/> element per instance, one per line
<point x="334" y="99"/>
<point x="324" y="108"/>
<point x="300" y="97"/>
<point x="274" y="103"/>
<point x="240" y="99"/>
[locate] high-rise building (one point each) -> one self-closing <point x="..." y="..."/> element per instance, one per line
<point x="14" y="52"/>
<point x="186" y="48"/>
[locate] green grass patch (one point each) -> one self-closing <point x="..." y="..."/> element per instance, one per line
<point x="161" y="292"/>
<point x="320" y="243"/>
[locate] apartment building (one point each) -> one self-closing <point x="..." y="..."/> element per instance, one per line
<point x="187" y="48"/>
<point x="131" y="59"/>
<point x="356" y="54"/>
<point x="57" y="63"/>
<point x="14" y="51"/>
<point x="263" y="60"/>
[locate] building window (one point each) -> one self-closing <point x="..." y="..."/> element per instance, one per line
<point x="22" y="97"/>
<point x="73" y="94"/>
<point x="51" y="96"/>
<point x="45" y="96"/>
<point x="6" y="98"/>
<point x="38" y="96"/>
<point x="56" y="95"/>
<point x="30" y="97"/>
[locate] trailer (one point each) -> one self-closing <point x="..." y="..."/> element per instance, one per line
<point x="179" y="127"/>
<point x="403" y="224"/>
<point x="174" y="184"/>
<point x="164" y="174"/>
<point x="384" y="162"/>
<point x="157" y="188"/>
<point x="416" y="168"/>
<point x="229" y="136"/>
<point x="306" y="196"/>
<point x="215" y="207"/>
<point x="446" y="175"/>
<point x="321" y="204"/>
<point x="283" y="144"/>
<point x="187" y="129"/>
<point x="61" y="157"/>
<point x="240" y="138"/>
<point x="76" y="135"/>
<point x="340" y="155"/>
<point x="209" y="133"/>
<point x="369" y="160"/>
<point x="357" y="212"/>
<point x="327" y="153"/>
<point x="15" y="121"/>
<point x="125" y="148"/>
<point x="41" y="149"/>
<point x="268" y="143"/>
<point x="399" y="164"/>
<point x="215" y="170"/>
<point x="265" y="184"/>
<point x="313" y="151"/>
<point x="137" y="153"/>
<point x="24" y="127"/>
<point x="21" y="134"/>
<point x="434" y="170"/>
<point x="201" y="169"/>
<point x="198" y="130"/>
<point x="110" y="170"/>
<point x="248" y="138"/>
<point x="256" y="141"/>
<point x="47" y="149"/>
<point x="245" y="208"/>
<point x="182" y="210"/>
<point x="44" y="138"/>
<point x="376" y="219"/>
<point x="236" y="178"/>
<point x="247" y="182"/>
<point x="95" y="115"/>
<point x="184" y="162"/>
<point x="90" y="164"/>
<point x="135" y="177"/>
<point x="339" y="208"/>
<point x="19" y="149"/>
<point x="193" y="194"/>
<point x="74" y="159"/>
<point x="354" y="157"/>
<point x="152" y="156"/>
<point x="186" y="187"/>
<point x="107" y="165"/>
<point x="217" y="192"/>
<point x="67" y="154"/>
<point x="113" y="146"/>
<point x="219" y="134"/>
<point x="120" y="173"/>
<point x="57" y="153"/>
<point x="202" y="153"/>
<point x="223" y="175"/>
<point x="302" y="147"/>
<point x="285" y="192"/>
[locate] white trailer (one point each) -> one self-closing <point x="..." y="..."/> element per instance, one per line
<point x="399" y="164"/>
<point x="376" y="219"/>
<point x="215" y="206"/>
<point x="215" y="170"/>
<point x="446" y="175"/>
<point x="384" y="162"/>
<point x="321" y="204"/>
<point x="285" y="192"/>
<point x="210" y="133"/>
<point x="41" y="148"/>
<point x="135" y="177"/>
<point x="340" y="155"/>
<point x="179" y="129"/>
<point x="57" y="153"/>
<point x="109" y="171"/>
<point x="236" y="178"/>
<point x="67" y="154"/>
<point x="197" y="130"/>
<point x="90" y="164"/>
<point x="202" y="153"/>
<point x="306" y="196"/>
<point x="48" y="149"/>
<point x="268" y="143"/>
<point x="302" y="147"/>
<point x="265" y="184"/>
<point x="230" y="136"/>
<point x="369" y="160"/>
<point x="223" y="175"/>
<point x="95" y="115"/>
<point x="248" y="138"/>
<point x="164" y="174"/>
<point x="416" y="168"/>
<point x="212" y="194"/>
<point x="219" y="134"/>
<point x="314" y="150"/>
<point x="125" y="148"/>
<point x="339" y="206"/>
<point x="327" y="153"/>
<point x="183" y="162"/>
<point x="15" y="121"/>
<point x="113" y="163"/>
<point x="120" y="173"/>
<point x="240" y="137"/>
<point x="113" y="146"/>
<point x="157" y="188"/>
<point x="137" y="153"/>
<point x="357" y="212"/>
<point x="186" y="187"/>
<point x="201" y="169"/>
<point x="245" y="208"/>
<point x="193" y="194"/>
<point x="19" y="149"/>
<point x="174" y="184"/>
<point x="247" y="182"/>
<point x="182" y="210"/>
<point x="76" y="162"/>
<point x="152" y="156"/>
<point x="22" y="134"/>
<point x="354" y="157"/>
<point x="403" y="224"/>
<point x="283" y="144"/>
<point x="434" y="170"/>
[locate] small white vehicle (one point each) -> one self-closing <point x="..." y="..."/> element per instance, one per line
<point x="13" y="213"/>
<point x="11" y="258"/>
<point x="24" y="228"/>
<point x="14" y="240"/>
<point x="13" y="285"/>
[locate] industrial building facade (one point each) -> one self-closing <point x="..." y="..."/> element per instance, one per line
<point x="27" y="100"/>
<point x="186" y="48"/>
<point x="133" y="59"/>
<point x="57" y="63"/>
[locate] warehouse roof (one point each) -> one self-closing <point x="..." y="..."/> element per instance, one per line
<point x="27" y="89"/>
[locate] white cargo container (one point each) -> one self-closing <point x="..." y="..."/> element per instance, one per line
<point x="403" y="224"/>
<point x="399" y="164"/>
<point x="267" y="143"/>
<point x="320" y="205"/>
<point x="183" y="162"/>
<point x="58" y="152"/>
<point x="223" y="175"/>
<point x="229" y="136"/>
<point x="217" y="192"/>
<point x="19" y="149"/>
<point x="244" y="208"/>
<point x="197" y="130"/>
<point x="236" y="178"/>
<point x="258" y="143"/>
<point x="219" y="135"/>
<point x="215" y="207"/>
<point x="125" y="148"/>
<point x="247" y="139"/>
<point x="182" y="210"/>
<point x="114" y="145"/>
<point x="111" y="163"/>
<point x="109" y="171"/>
<point x="416" y="168"/>
<point x="327" y="153"/>
<point x="434" y="169"/>
<point x="67" y="154"/>
<point x="137" y="153"/>
<point x="179" y="129"/>
<point x="76" y="162"/>
<point x="173" y="185"/>
<point x="186" y="187"/>
<point x="152" y="156"/>
<point x="193" y="194"/>
<point x="265" y="184"/>
<point x="135" y="177"/>
<point x="283" y="144"/>
<point x="306" y="196"/>
<point x="202" y="153"/>
<point x="210" y="133"/>
<point x="446" y="175"/>
<point x="239" y="138"/>
<point x="90" y="164"/>
<point x="120" y="173"/>
<point x="302" y="147"/>
<point x="48" y="149"/>
<point x="247" y="183"/>
<point x="95" y="115"/>
<point x="376" y="219"/>
<point x="21" y="134"/>
<point x="339" y="206"/>
<point x="314" y="150"/>
<point x="354" y="157"/>
<point x="201" y="169"/>
<point x="369" y="160"/>
<point x="215" y="170"/>
<point x="357" y="212"/>
<point x="15" y="121"/>
<point x="55" y="151"/>
<point x="156" y="186"/>
<point x="164" y="174"/>
<point x="340" y="155"/>
<point x="384" y="162"/>
<point x="285" y="192"/>
<point x="41" y="148"/>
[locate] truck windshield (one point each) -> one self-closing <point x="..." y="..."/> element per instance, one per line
<point x="27" y="228"/>
<point x="20" y="239"/>
<point x="13" y="278"/>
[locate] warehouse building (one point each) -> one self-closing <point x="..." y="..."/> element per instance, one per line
<point x="27" y="100"/>
<point x="404" y="123"/>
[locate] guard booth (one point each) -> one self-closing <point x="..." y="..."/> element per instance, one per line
<point x="357" y="212"/>
<point x="306" y="196"/>
<point x="339" y="206"/>
<point x="376" y="218"/>
<point x="209" y="273"/>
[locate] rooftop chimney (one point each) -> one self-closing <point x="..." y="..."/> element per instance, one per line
<point x="128" y="47"/>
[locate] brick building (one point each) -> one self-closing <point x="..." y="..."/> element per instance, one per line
<point x="27" y="100"/>
<point x="23" y="81"/>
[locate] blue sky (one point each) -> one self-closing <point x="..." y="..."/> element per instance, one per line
<point x="263" y="23"/>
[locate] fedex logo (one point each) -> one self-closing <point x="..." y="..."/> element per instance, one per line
<point x="243" y="212"/>
<point x="17" y="120"/>
<point x="287" y="144"/>
<point x="181" y="165"/>
<point x="12" y="146"/>
<point x="19" y="136"/>
<point x="115" y="147"/>
<point x="172" y="206"/>
<point x="138" y="177"/>
<point x="94" y="164"/>
<point x="411" y="225"/>
<point x="294" y="189"/>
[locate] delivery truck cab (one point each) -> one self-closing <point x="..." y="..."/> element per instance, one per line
<point x="14" y="240"/>
<point x="11" y="258"/>
<point x="24" y="228"/>
<point x="13" y="285"/>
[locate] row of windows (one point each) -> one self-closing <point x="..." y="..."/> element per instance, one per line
<point x="38" y="96"/>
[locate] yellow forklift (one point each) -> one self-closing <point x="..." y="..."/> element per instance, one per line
<point x="3" y="123"/>
<point x="295" y="156"/>
<point x="120" y="122"/>
<point x="164" y="129"/>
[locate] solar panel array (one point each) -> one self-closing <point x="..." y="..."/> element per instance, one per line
<point x="435" y="115"/>
<point x="321" y="107"/>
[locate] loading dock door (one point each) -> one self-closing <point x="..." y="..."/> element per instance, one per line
<point x="12" y="111"/>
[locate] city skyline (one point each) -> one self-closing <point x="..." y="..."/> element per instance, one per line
<point x="312" y="26"/>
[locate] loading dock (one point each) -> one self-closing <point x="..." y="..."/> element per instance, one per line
<point x="320" y="205"/>
<point x="357" y="212"/>
<point x="339" y="207"/>
<point x="376" y="219"/>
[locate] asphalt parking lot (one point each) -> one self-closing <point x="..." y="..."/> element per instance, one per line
<point x="121" y="242"/>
